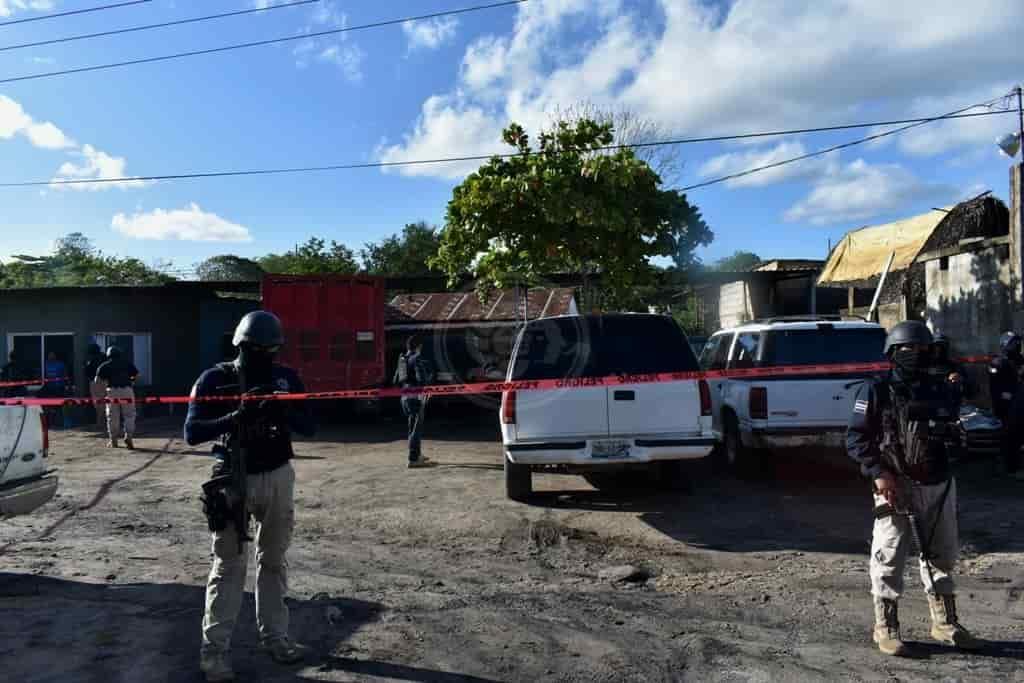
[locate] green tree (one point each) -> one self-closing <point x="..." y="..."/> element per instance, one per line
<point x="75" y="261"/>
<point x="313" y="257"/>
<point x="229" y="268"/>
<point x="739" y="262"/>
<point x="568" y="206"/>
<point x="405" y="254"/>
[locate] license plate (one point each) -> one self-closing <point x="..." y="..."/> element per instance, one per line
<point x="610" y="449"/>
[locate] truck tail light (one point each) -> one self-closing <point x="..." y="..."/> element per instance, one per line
<point x="705" y="398"/>
<point x="759" y="403"/>
<point x="508" y="408"/>
<point x="45" y="426"/>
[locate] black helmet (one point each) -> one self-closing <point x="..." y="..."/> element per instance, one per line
<point x="1010" y="343"/>
<point x="113" y="352"/>
<point x="908" y="332"/>
<point x="260" y="328"/>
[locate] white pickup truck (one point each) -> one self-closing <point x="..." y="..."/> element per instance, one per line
<point x="599" y="431"/>
<point x="752" y="415"/>
<point x="25" y="481"/>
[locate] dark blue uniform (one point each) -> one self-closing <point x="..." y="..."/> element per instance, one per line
<point x="414" y="371"/>
<point x="209" y="420"/>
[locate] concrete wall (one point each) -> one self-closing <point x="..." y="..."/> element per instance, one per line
<point x="970" y="300"/>
<point x="170" y="317"/>
<point x="734" y="304"/>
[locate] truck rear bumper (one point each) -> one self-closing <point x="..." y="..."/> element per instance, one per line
<point x="21" y="498"/>
<point x="581" y="453"/>
<point x="795" y="437"/>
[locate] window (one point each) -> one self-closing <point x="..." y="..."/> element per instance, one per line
<point x="309" y="345"/>
<point x="31" y="350"/>
<point x="716" y="352"/>
<point x="135" y="347"/>
<point x="944" y="263"/>
<point x="810" y="347"/>
<point x="744" y="351"/>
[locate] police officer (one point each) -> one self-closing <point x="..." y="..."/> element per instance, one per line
<point x="896" y="436"/>
<point x="1004" y="382"/>
<point x="117" y="375"/>
<point x="414" y="371"/>
<point x="269" y="490"/>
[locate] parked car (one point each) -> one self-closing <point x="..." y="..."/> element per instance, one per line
<point x="751" y="415"/>
<point x="599" y="431"/>
<point x="25" y="481"/>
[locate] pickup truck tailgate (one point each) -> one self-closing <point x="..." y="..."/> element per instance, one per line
<point x="809" y="402"/>
<point x="654" y="408"/>
<point x="578" y="412"/>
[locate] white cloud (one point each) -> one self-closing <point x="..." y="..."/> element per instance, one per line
<point x="189" y="224"/>
<point x="755" y="65"/>
<point x="859" y="191"/>
<point x="95" y="164"/>
<point x="736" y="162"/>
<point x="15" y="121"/>
<point x="430" y="34"/>
<point x="335" y="50"/>
<point x="9" y="7"/>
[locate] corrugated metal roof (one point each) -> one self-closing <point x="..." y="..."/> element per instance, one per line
<point x="502" y="305"/>
<point x="790" y="265"/>
<point x="862" y="254"/>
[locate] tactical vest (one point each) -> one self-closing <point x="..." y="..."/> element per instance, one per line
<point x="267" y="453"/>
<point x="407" y="374"/>
<point x="917" y="452"/>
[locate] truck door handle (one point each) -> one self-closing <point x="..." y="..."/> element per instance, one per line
<point x="625" y="395"/>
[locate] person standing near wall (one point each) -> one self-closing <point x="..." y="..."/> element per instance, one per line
<point x="12" y="372"/>
<point x="1004" y="384"/>
<point x="118" y="377"/>
<point x="96" y="388"/>
<point x="414" y="371"/>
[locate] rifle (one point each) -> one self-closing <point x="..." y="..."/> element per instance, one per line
<point x="239" y="474"/>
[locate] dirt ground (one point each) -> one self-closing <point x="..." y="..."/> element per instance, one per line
<point x="431" y="575"/>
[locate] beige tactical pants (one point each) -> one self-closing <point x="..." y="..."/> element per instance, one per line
<point x="98" y="391"/>
<point x="272" y="504"/>
<point x="120" y="415"/>
<point x="892" y="540"/>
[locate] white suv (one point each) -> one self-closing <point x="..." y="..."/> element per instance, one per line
<point x="600" y="431"/>
<point x="750" y="415"/>
<point x="25" y="481"/>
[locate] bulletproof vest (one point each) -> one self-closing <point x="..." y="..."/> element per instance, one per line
<point x="407" y="373"/>
<point x="918" y="446"/>
<point x="270" y="450"/>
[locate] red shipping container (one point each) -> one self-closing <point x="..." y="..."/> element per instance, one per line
<point x="333" y="328"/>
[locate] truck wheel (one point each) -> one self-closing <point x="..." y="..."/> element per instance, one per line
<point x="518" y="481"/>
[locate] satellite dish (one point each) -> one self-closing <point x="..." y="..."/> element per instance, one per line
<point x="1009" y="144"/>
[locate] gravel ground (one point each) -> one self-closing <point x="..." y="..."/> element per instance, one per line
<point x="431" y="575"/>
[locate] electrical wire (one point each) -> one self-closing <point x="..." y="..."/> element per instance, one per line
<point x="72" y="12"/>
<point x="486" y="157"/>
<point x="959" y="113"/>
<point x="258" y="43"/>
<point x="147" y="27"/>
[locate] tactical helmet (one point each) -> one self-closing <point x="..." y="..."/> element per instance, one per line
<point x="908" y="332"/>
<point x="260" y="328"/>
<point x="113" y="352"/>
<point x="1010" y="343"/>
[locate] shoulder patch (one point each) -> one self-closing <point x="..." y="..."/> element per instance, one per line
<point x="860" y="407"/>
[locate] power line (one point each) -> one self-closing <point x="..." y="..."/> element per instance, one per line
<point x="258" y="43"/>
<point x="827" y="150"/>
<point x="486" y="157"/>
<point x="74" y="11"/>
<point x="148" y="27"/>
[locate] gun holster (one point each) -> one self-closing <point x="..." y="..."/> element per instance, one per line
<point x="216" y="502"/>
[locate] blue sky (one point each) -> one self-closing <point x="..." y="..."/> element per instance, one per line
<point x="446" y="87"/>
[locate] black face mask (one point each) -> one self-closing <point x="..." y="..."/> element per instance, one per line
<point x="257" y="364"/>
<point x="911" y="361"/>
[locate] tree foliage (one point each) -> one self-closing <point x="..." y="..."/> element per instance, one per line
<point x="568" y="206"/>
<point x="740" y="261"/>
<point x="406" y="254"/>
<point x="229" y="268"/>
<point x="76" y="261"/>
<point x="314" y="257"/>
